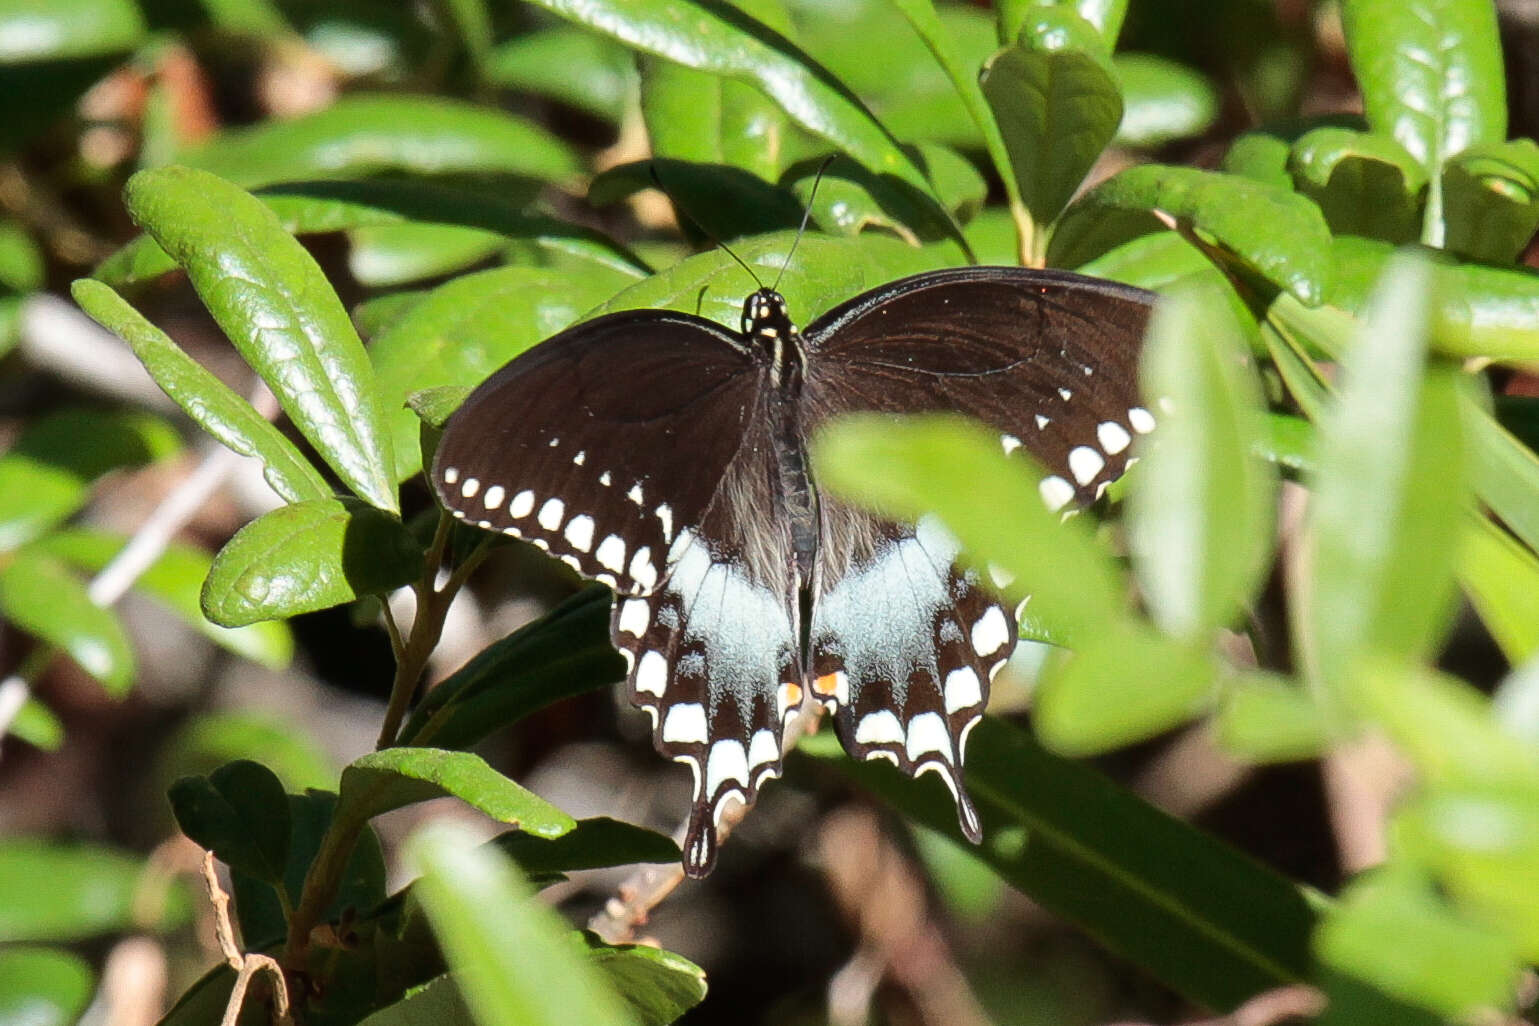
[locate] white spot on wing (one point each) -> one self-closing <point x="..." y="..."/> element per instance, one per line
<point x="990" y="633"/>
<point x="551" y="513"/>
<point x="727" y="761"/>
<point x="493" y="497"/>
<point x="579" y="531"/>
<point x="1065" y="394"/>
<point x="1043" y="422"/>
<point x="451" y="475"/>
<point x="642" y="571"/>
<point x="927" y="733"/>
<point x="762" y="749"/>
<point x="635" y="614"/>
<point x="471" y="486"/>
<point x="1010" y="443"/>
<point x="522" y="504"/>
<point x="652" y="673"/>
<point x="685" y="724"/>
<point x="879" y="728"/>
<point x="635" y="494"/>
<point x="665" y="518"/>
<point x="1113" y="437"/>
<point x="1085" y="463"/>
<point x="962" y="690"/>
<point x="1056" y="492"/>
<point x="611" y="553"/>
<point x="580" y="458"/>
<point x="604" y="479"/>
<point x="1141" y="420"/>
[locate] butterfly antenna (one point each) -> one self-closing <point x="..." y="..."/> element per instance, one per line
<point x="679" y="206"/>
<point x="806" y="216"/>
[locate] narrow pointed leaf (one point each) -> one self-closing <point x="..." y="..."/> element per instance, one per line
<point x="207" y="400"/>
<point x="40" y="595"/>
<point x="396" y="777"/>
<point x="276" y="306"/>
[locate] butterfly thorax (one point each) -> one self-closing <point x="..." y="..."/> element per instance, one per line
<point x="767" y="323"/>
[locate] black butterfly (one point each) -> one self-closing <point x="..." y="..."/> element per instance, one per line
<point x="665" y="455"/>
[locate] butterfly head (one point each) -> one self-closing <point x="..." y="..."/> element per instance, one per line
<point x="765" y="317"/>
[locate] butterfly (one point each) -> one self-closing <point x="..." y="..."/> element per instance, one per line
<point x="666" y="456"/>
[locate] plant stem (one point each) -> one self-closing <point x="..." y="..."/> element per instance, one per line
<point x="427" y="625"/>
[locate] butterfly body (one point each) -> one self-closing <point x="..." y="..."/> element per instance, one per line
<point x="666" y="456"/>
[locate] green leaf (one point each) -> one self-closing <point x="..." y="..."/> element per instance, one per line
<point x="276" y="306"/>
<point x="43" y="986"/>
<point x="1266" y="718"/>
<point x="1161" y="100"/>
<point x="926" y="22"/>
<point x="1391" y="930"/>
<point x="1201" y="510"/>
<point x="909" y="467"/>
<point x="37" y="725"/>
<point x="1501" y="578"/>
<point x="1205" y="920"/>
<point x="1491" y="200"/>
<point x="1104" y="15"/>
<point x="744" y="50"/>
<point x="1388" y="493"/>
<point x="212" y="739"/>
<point x="564" y="653"/>
<point x="46" y="475"/>
<point x="1477" y="311"/>
<point x="434" y="406"/>
<point x="711" y="198"/>
<point x="21" y="262"/>
<point x="659" y="985"/>
<point x="176" y="579"/>
<point x="1431" y="76"/>
<point x="1276" y="234"/>
<point x="1365" y="184"/>
<point x="466" y="329"/>
<point x="1504" y="471"/>
<point x="362" y="135"/>
<point x="208" y="401"/>
<point x="385" y="256"/>
<point x="308" y="556"/>
<point x="511" y="956"/>
<point x="63" y="892"/>
<point x="378" y="314"/>
<point x="39" y="30"/>
<point x="397" y="777"/>
<point x="592" y="844"/>
<point x="1056" y="98"/>
<point x="1090" y="703"/>
<point x="577" y="67"/>
<point x="1260" y="156"/>
<point x="436" y="1003"/>
<point x="240" y="813"/>
<point x="305" y="207"/>
<point x="1515" y="705"/>
<point x="40" y="595"/>
<point x="849" y="199"/>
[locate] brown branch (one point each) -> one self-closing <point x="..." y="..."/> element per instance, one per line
<point x="246" y="966"/>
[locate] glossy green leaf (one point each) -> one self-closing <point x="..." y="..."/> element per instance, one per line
<point x="1058" y="104"/>
<point x="1091" y="703"/>
<point x="1201" y="511"/>
<point x="385" y="256"/>
<point x="849" y="199"/>
<point x="378" y="314"/>
<point x="926" y="22"/>
<point x="1501" y="578"/>
<point x="471" y="23"/>
<point x="42" y="986"/>
<point x="1388" y="493"/>
<point x="512" y="957"/>
<point x="176" y="579"/>
<point x="745" y="50"/>
<point x="1274" y="233"/>
<point x="364" y="134"/>
<point x="1162" y="100"/>
<point x="308" y="556"/>
<point x="1260" y="156"/>
<point x="1366" y="184"/>
<point x="1104" y="15"/>
<point x="1267" y="718"/>
<point x="240" y="813"/>
<point x="1205" y="920"/>
<point x="39" y="595"/>
<point x="711" y="198"/>
<point x="396" y="777"/>
<point x="39" y="30"/>
<point x="436" y="1003"/>
<point x="824" y="273"/>
<point x="1504" y="472"/>
<point x="952" y="468"/>
<point x="1491" y="200"/>
<point x="1439" y="961"/>
<point x="592" y="844"/>
<point x="1478" y="310"/>
<point x="1431" y="76"/>
<point x="466" y="329"/>
<point x="63" y="891"/>
<point x="658" y="985"/>
<point x="581" y="69"/>
<point x="306" y="207"/>
<point x="274" y="303"/>
<point x="207" y="400"/>
<point x="45" y="477"/>
<point x="212" y="739"/>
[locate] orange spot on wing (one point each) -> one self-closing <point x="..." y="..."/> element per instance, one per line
<point x="793" y="695"/>
<point x="827" y="685"/>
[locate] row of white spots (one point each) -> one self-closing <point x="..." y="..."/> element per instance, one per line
<point x="685" y="723"/>
<point x="962" y="689"/>
<point x="990" y="633"/>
